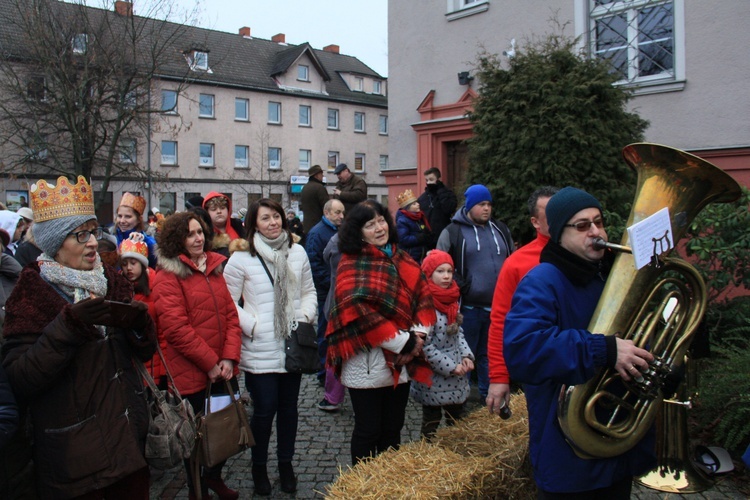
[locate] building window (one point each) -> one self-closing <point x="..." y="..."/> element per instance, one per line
<point x="463" y="8"/>
<point x="303" y="73"/>
<point x="200" y="60"/>
<point x="383" y="162"/>
<point x="359" y="121"/>
<point x="274" y="112"/>
<point x="167" y="203"/>
<point x="128" y="152"/>
<point x="377" y="87"/>
<point x="639" y="39"/>
<point x="169" y="101"/>
<point x="36" y="89"/>
<point x="240" y="156"/>
<point x="333" y="159"/>
<point x="80" y="43"/>
<point x="241" y="109"/>
<point x="305" y="113"/>
<point x="169" y="152"/>
<point x="359" y="84"/>
<point x="333" y="119"/>
<point x="36" y="148"/>
<point x="206" y="106"/>
<point x="274" y="158"/>
<point x="304" y="159"/>
<point x="206" y="154"/>
<point x="383" y="125"/>
<point x="359" y="162"/>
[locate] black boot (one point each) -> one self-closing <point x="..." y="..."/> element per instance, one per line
<point x="260" y="479"/>
<point x="286" y="477"/>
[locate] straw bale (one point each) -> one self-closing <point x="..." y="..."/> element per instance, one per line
<point x="482" y="456"/>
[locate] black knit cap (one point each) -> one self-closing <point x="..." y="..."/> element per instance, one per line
<point x="564" y="205"/>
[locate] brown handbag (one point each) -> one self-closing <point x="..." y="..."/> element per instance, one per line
<point x="224" y="433"/>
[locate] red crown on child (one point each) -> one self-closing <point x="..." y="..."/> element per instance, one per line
<point x="50" y="202"/>
<point x="134" y="247"/>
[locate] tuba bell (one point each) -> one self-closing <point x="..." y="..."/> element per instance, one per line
<point x="658" y="307"/>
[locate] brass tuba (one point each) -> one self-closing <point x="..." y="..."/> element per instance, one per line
<point x="658" y="306"/>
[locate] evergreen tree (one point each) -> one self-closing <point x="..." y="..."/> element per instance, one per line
<point x="552" y="118"/>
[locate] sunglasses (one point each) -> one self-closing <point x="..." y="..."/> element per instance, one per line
<point x="584" y="225"/>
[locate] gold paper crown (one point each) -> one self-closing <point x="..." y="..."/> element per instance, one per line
<point x="64" y="200"/>
<point x="137" y="203"/>
<point x="406" y="198"/>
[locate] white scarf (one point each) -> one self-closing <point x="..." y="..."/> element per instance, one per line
<point x="286" y="284"/>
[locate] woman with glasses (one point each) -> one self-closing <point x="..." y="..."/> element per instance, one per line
<point x="381" y="313"/>
<point x="67" y="360"/>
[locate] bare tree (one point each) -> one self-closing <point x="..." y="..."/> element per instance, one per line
<point x="259" y="171"/>
<point x="78" y="85"/>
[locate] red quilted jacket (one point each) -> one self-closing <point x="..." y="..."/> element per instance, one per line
<point x="197" y="318"/>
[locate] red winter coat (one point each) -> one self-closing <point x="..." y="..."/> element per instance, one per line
<point x="197" y="318"/>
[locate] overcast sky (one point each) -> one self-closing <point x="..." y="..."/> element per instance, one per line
<point x="358" y="27"/>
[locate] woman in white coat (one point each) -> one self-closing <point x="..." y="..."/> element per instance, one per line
<point x="272" y="276"/>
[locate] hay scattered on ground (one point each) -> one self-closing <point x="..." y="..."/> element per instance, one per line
<point x="482" y="456"/>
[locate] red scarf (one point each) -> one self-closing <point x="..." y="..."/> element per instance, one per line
<point x="446" y="299"/>
<point x="375" y="297"/>
<point x="418" y="217"/>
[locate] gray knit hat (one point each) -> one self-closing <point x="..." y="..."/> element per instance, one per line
<point x="50" y="235"/>
<point x="565" y="204"/>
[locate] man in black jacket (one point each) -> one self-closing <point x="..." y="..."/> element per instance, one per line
<point x="437" y="202"/>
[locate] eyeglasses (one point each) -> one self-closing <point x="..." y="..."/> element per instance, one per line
<point x="584" y="225"/>
<point x="85" y="235"/>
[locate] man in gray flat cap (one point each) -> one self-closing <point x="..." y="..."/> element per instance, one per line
<point x="350" y="189"/>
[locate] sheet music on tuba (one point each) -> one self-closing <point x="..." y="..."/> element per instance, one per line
<point x="651" y="237"/>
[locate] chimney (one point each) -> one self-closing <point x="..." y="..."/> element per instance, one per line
<point x="334" y="49"/>
<point x="124" y="8"/>
<point x="245" y="31"/>
<point x="280" y="38"/>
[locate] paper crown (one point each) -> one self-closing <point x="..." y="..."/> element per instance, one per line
<point x="135" y="247"/>
<point x="406" y="198"/>
<point x="137" y="203"/>
<point x="50" y="202"/>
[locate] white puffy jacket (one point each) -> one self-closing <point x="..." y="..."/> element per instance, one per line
<point x="262" y="352"/>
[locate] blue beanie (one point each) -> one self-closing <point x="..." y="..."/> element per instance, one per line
<point x="564" y="205"/>
<point x="476" y="194"/>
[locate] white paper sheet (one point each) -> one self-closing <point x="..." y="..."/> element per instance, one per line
<point x="651" y="236"/>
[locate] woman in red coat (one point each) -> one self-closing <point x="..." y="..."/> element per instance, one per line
<point x="198" y="319"/>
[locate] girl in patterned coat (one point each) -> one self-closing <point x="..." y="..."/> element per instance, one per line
<point x="446" y="350"/>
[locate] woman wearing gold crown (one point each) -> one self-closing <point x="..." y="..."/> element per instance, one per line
<point x="75" y="374"/>
<point x="130" y="220"/>
<point x="412" y="227"/>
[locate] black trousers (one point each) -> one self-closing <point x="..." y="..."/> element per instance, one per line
<point x="617" y="491"/>
<point x="378" y="419"/>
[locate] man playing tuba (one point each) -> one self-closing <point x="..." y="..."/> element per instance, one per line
<point x="546" y="346"/>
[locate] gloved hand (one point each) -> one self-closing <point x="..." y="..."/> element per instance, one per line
<point x="92" y="311"/>
<point x="141" y="319"/>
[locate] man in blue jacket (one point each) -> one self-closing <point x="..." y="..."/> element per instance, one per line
<point x="546" y="346"/>
<point x="315" y="243"/>
<point x="479" y="246"/>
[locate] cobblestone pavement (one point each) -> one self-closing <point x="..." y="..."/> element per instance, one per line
<point x="323" y="451"/>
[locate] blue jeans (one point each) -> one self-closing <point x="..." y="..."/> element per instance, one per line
<point x="273" y="394"/>
<point x="476" y="326"/>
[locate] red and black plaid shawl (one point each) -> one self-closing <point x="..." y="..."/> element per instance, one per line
<point x="375" y="297"/>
